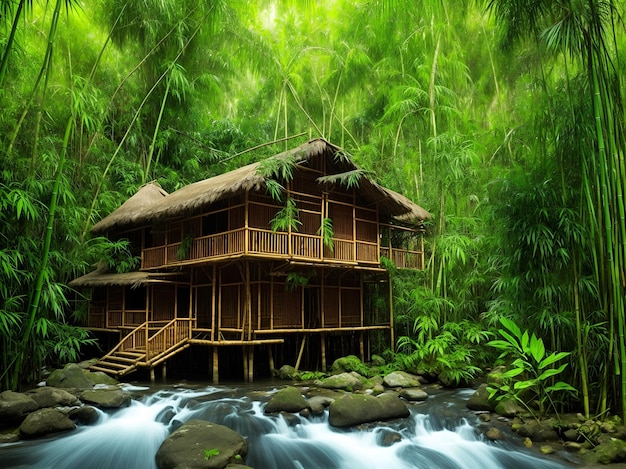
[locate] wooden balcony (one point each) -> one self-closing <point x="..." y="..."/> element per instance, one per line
<point x="278" y="245"/>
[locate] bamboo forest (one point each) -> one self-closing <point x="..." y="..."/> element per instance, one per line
<point x="503" y="119"/>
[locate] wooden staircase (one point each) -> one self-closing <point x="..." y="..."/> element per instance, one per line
<point x="148" y="345"/>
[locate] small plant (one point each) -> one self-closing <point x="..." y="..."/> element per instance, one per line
<point x="311" y="375"/>
<point x="327" y="233"/>
<point x="209" y="453"/>
<point x="185" y="248"/>
<point x="287" y="218"/>
<point x="531" y="370"/>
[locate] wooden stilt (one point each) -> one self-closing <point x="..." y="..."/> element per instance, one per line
<point x="270" y="355"/>
<point x="250" y="363"/>
<point x="361" y="347"/>
<point x="323" y="347"/>
<point x="164" y="371"/>
<point x="244" y="352"/>
<point x="216" y="366"/>
<point x="152" y="378"/>
<point x="300" y="353"/>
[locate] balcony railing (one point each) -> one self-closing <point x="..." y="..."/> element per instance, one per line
<point x="299" y="246"/>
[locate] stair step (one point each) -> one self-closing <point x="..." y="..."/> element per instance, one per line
<point x="119" y="366"/>
<point x="105" y="370"/>
<point x="129" y="354"/>
<point x="123" y="359"/>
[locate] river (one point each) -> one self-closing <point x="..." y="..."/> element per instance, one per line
<point x="440" y="433"/>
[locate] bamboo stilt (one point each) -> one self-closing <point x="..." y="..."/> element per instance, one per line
<point x="164" y="371"/>
<point x="361" y="347"/>
<point x="300" y="353"/>
<point x="250" y="364"/>
<point x="244" y="352"/>
<point x="270" y="355"/>
<point x="216" y="366"/>
<point x="152" y="378"/>
<point x="323" y="348"/>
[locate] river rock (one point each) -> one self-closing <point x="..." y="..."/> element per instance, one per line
<point x="509" y="407"/>
<point x="347" y="364"/>
<point x="45" y="421"/>
<point x="494" y="434"/>
<point x="317" y="404"/>
<point x="287" y="372"/>
<point x="201" y="444"/>
<point x="414" y="394"/>
<point x="48" y="396"/>
<point x="70" y="376"/>
<point x="538" y="431"/>
<point x="99" y="377"/>
<point x="354" y="409"/>
<point x="85" y="414"/>
<point x="401" y="379"/>
<point x="288" y="399"/>
<point x="377" y="361"/>
<point x="111" y="398"/>
<point x="610" y="452"/>
<point x="347" y="381"/>
<point x="15" y="406"/>
<point x="480" y="400"/>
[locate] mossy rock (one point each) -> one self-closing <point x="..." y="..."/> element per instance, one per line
<point x="350" y="363"/>
<point x="610" y="452"/>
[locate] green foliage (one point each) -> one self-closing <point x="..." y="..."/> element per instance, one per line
<point x="287" y="218"/>
<point x="311" y="375"/>
<point x="209" y="453"/>
<point x="326" y="232"/>
<point x="531" y="369"/>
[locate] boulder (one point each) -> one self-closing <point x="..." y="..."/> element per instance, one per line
<point x="509" y="407"/>
<point x="288" y="399"/>
<point x="70" y="376"/>
<point x="86" y="415"/>
<point x="348" y="364"/>
<point x="287" y="372"/>
<point x="414" y="394"/>
<point x="45" y="421"/>
<point x="377" y="360"/>
<point x="386" y="438"/>
<point x="99" y="377"/>
<point x="201" y="444"/>
<point x="48" y="396"/>
<point x="15" y="406"/>
<point x="111" y="398"/>
<point x="347" y="381"/>
<point x="613" y="451"/>
<point x="317" y="404"/>
<point x="354" y="409"/>
<point x="401" y="379"/>
<point x="538" y="430"/>
<point x="480" y="400"/>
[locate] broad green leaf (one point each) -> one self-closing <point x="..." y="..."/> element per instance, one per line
<point x="561" y="386"/>
<point x="513" y="341"/>
<point x="552" y="358"/>
<point x="552" y="372"/>
<point x="512" y="373"/>
<point x="524" y="342"/>
<point x="500" y="344"/>
<point x="537" y="349"/>
<point x="511" y="326"/>
<point x="529" y="383"/>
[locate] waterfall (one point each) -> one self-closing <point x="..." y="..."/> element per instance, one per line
<point x="436" y="435"/>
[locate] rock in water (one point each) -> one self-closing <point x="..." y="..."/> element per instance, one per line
<point x="44" y="421"/>
<point x="353" y="409"/>
<point x="288" y="399"/>
<point x="201" y="444"/>
<point x="15" y="406"/>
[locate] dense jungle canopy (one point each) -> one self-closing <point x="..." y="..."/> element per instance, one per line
<point x="503" y="118"/>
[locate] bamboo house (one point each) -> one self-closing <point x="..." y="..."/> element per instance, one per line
<point x="285" y="250"/>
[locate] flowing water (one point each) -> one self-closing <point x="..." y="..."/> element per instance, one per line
<point x="440" y="433"/>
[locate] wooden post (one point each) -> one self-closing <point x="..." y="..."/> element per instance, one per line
<point x="213" y="296"/>
<point x="300" y="353"/>
<point x="164" y="371"/>
<point x="361" y="347"/>
<point x="270" y="355"/>
<point x="244" y="352"/>
<point x="216" y="366"/>
<point x="323" y="347"/>
<point x="250" y="363"/>
<point x="152" y="378"/>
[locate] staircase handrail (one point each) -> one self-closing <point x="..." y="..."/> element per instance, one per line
<point x="135" y="332"/>
<point x="158" y="344"/>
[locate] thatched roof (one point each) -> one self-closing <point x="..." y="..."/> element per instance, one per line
<point x="133" y="210"/>
<point x="101" y="277"/>
<point x="194" y="197"/>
